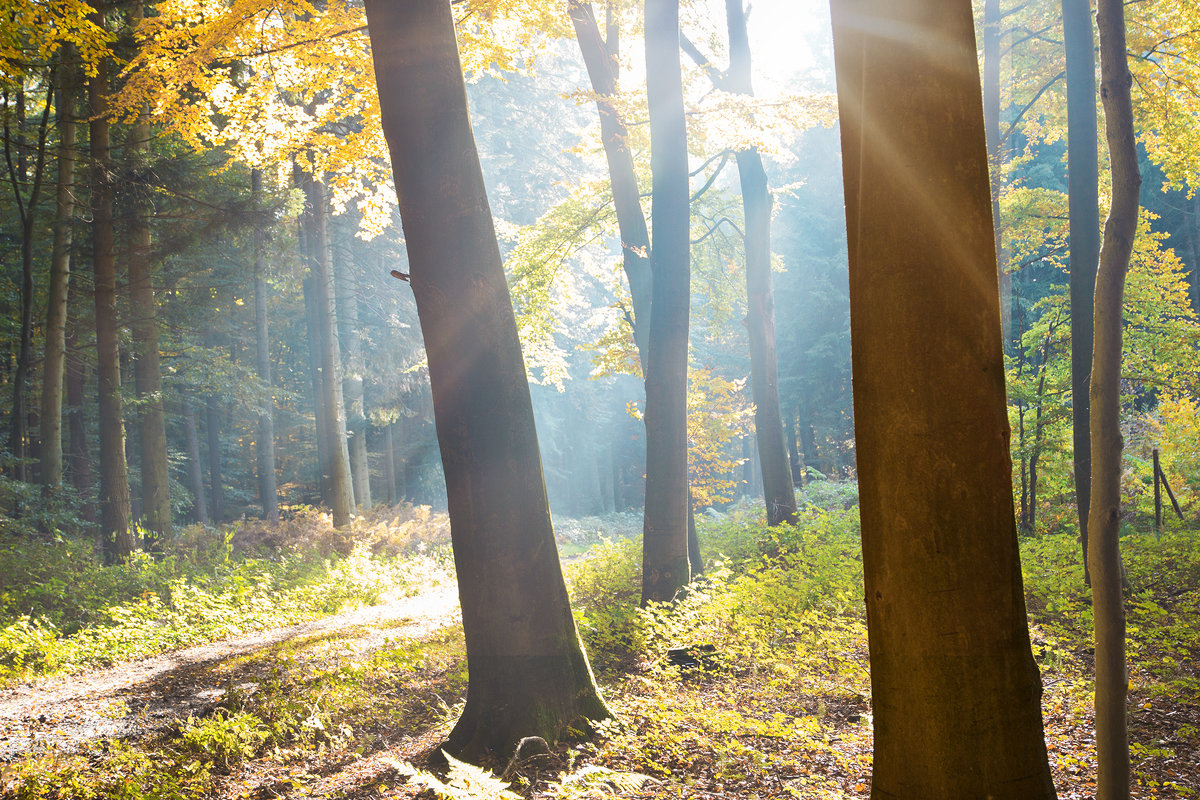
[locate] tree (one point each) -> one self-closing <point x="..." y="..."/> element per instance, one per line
<point x="1104" y="523"/>
<point x="151" y="420"/>
<point x="264" y="446"/>
<point x="665" y="566"/>
<point x="527" y="674"/>
<point x="778" y="490"/>
<point x="955" y="688"/>
<point x="1083" y="189"/>
<point x="114" y="481"/>
<point x="57" y="294"/>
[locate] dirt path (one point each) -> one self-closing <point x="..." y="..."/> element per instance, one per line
<point x="144" y="696"/>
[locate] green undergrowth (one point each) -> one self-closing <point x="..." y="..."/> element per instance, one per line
<point x="776" y="703"/>
<point x="62" y="610"/>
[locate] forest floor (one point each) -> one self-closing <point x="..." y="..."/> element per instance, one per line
<point x="355" y="706"/>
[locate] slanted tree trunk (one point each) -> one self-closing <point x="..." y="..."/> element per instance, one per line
<point x="778" y="491"/>
<point x="147" y="372"/>
<point x="331" y="404"/>
<point x="954" y="685"/>
<point x="60" y="274"/>
<point x="195" y="468"/>
<point x="116" y="535"/>
<point x="599" y="57"/>
<point x="264" y="446"/>
<point x="665" y="566"/>
<point x="527" y="674"/>
<point x="1104" y="524"/>
<point x="1083" y="200"/>
<point x="346" y="287"/>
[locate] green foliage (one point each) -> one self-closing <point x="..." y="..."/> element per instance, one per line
<point x="225" y="737"/>
<point x="110" y="770"/>
<point x="463" y="782"/>
<point x="62" y="610"/>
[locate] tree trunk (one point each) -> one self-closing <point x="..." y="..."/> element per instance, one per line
<point x="147" y="372"/>
<point x="778" y="491"/>
<point x="1104" y="524"/>
<point x="991" y="119"/>
<point x="60" y="274"/>
<point x="631" y="221"/>
<point x="18" y="437"/>
<point x="264" y="445"/>
<point x="527" y="674"/>
<point x="212" y="426"/>
<point x="195" y="468"/>
<point x="352" y="381"/>
<point x="389" y="463"/>
<point x="74" y="378"/>
<point x="664" y="539"/>
<point x="1083" y="201"/>
<point x="115" y="530"/>
<point x="954" y="685"/>
<point x="331" y="403"/>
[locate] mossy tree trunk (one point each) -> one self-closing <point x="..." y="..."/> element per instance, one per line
<point x="955" y="688"/>
<point x="527" y="674"/>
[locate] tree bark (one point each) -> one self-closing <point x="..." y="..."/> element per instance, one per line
<point x="74" y="378"/>
<point x="631" y="220"/>
<point x="1083" y="193"/>
<point x="331" y="403"/>
<point x="116" y="536"/>
<point x="352" y="381"/>
<point x="1104" y="523"/>
<point x="195" y="468"/>
<point x="57" y="292"/>
<point x="147" y="371"/>
<point x="954" y="685"/>
<point x="779" y="493"/>
<point x="527" y="674"/>
<point x="18" y="437"/>
<point x="389" y="463"/>
<point x="212" y="427"/>
<point x="264" y="445"/>
<point x="665" y="566"/>
<point x="991" y="118"/>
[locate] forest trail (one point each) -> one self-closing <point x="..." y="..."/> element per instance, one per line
<point x="141" y="697"/>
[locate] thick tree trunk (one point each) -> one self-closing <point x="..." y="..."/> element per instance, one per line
<point x="955" y="688"/>
<point x="527" y="672"/>
<point x="664" y="539"/>
<point x="147" y="372"/>
<point x="264" y="445"/>
<point x="216" y="481"/>
<point x="635" y="239"/>
<point x="115" y="532"/>
<point x="352" y="380"/>
<point x="195" y="467"/>
<point x="331" y="405"/>
<point x="1104" y="524"/>
<point x="1083" y="193"/>
<point x="778" y="491"/>
<point x="57" y="292"/>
